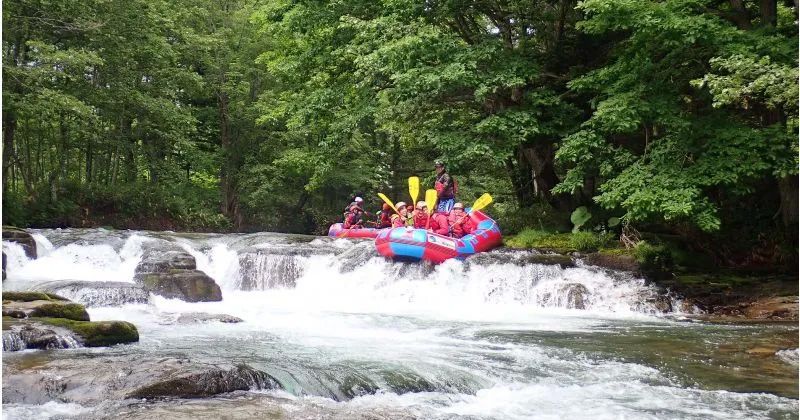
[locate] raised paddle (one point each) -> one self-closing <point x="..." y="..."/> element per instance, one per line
<point x="413" y="189"/>
<point x="430" y="200"/>
<point x="389" y="202"/>
<point x="481" y="202"/>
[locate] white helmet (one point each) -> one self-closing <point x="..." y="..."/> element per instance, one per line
<point x="421" y="205"/>
<point x="400" y="204"/>
<point x="358" y="199"/>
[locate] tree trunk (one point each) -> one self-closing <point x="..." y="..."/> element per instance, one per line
<point x="521" y="180"/>
<point x="541" y="156"/>
<point x="788" y="186"/>
<point x="769" y="12"/>
<point x="230" y="199"/>
<point x="9" y="126"/>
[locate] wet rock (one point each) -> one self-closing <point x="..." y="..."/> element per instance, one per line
<point x="208" y="383"/>
<point x="95" y="293"/>
<point x="564" y="261"/>
<point x="188" y="285"/>
<point x="4" y="265"/>
<point x="100" y="377"/>
<point x="45" y="308"/>
<point x="782" y="307"/>
<point x="613" y="261"/>
<point x="160" y="261"/>
<point x="96" y="334"/>
<point x="22" y="335"/>
<point x="20" y="236"/>
<point x="173" y="274"/>
<point x="199" y="317"/>
<point x="28" y="296"/>
<point x="576" y="296"/>
<point x="661" y="303"/>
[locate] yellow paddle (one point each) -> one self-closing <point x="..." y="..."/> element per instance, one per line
<point x="413" y="189"/>
<point x="481" y="202"/>
<point x="430" y="200"/>
<point x="387" y="201"/>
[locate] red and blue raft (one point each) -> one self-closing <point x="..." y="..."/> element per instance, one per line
<point x="408" y="244"/>
<point x="338" y="231"/>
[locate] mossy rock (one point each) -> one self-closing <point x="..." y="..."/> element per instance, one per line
<point x="97" y="334"/>
<point x="73" y="311"/>
<point x="31" y="296"/>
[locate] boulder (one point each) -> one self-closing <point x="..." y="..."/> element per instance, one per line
<point x="576" y="296"/>
<point x="160" y="261"/>
<point x="28" y="296"/>
<point x="20" y="236"/>
<point x="782" y="307"/>
<point x="173" y="274"/>
<point x="188" y="285"/>
<point x="614" y="261"/>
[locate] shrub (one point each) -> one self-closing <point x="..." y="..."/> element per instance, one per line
<point x="587" y="241"/>
<point x="653" y="258"/>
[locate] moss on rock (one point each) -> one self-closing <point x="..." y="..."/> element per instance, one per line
<point x="97" y="334"/>
<point x="73" y="311"/>
<point x="31" y="296"/>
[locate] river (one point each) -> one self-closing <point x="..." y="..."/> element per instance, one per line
<point x="348" y="334"/>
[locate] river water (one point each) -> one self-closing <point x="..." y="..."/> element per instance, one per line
<point x="351" y="335"/>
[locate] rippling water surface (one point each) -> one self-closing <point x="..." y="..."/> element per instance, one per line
<point x="350" y="335"/>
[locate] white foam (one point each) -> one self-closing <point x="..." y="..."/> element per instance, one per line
<point x="49" y="410"/>
<point x="81" y="262"/>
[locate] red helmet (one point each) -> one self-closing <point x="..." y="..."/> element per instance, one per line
<point x="386" y="207"/>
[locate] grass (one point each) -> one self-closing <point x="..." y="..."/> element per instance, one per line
<point x="559" y="242"/>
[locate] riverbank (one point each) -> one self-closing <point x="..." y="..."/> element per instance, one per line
<point x="719" y="294"/>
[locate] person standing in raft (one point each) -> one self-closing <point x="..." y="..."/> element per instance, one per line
<point x="385" y="217"/>
<point x="460" y="223"/>
<point x="353" y="219"/>
<point x="436" y="223"/>
<point x="399" y="219"/>
<point x="446" y="189"/>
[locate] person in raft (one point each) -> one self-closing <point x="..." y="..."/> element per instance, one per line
<point x="437" y="223"/>
<point x="385" y="217"/>
<point x="353" y="219"/>
<point x="399" y="219"/>
<point x="446" y="189"/>
<point x="460" y="223"/>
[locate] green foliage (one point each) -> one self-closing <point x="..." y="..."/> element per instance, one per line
<point x="579" y="217"/>
<point x="653" y="258"/>
<point x="588" y="241"/>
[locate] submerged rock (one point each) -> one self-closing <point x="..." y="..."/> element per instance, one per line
<point x="100" y="377"/>
<point x="97" y="293"/>
<point x="208" y="383"/>
<point x="198" y="317"/>
<point x="20" y="236"/>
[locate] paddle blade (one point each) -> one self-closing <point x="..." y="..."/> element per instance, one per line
<point x="413" y="189"/>
<point x="430" y="199"/>
<point x="387" y="201"/>
<point x="482" y="202"/>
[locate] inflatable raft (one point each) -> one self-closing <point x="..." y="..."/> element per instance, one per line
<point x="407" y="244"/>
<point x="336" y="230"/>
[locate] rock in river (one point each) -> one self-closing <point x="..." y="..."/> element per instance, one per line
<point x="173" y="274"/>
<point x="20" y="236"/>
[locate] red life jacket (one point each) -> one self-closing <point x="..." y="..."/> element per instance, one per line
<point x="352" y="219"/>
<point x="446" y="186"/>
<point x="385" y="219"/>
<point x="460" y="225"/>
<point x="439" y="224"/>
<point x="421" y="220"/>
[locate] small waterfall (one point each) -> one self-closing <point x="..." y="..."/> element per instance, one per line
<point x="262" y="271"/>
<point x="93" y="294"/>
<point x="37" y="337"/>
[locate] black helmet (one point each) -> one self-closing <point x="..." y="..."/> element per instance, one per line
<point x="438" y="163"/>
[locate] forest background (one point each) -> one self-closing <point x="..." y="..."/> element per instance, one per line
<point x="677" y="117"/>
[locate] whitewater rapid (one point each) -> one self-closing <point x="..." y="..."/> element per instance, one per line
<point x="351" y="335"/>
